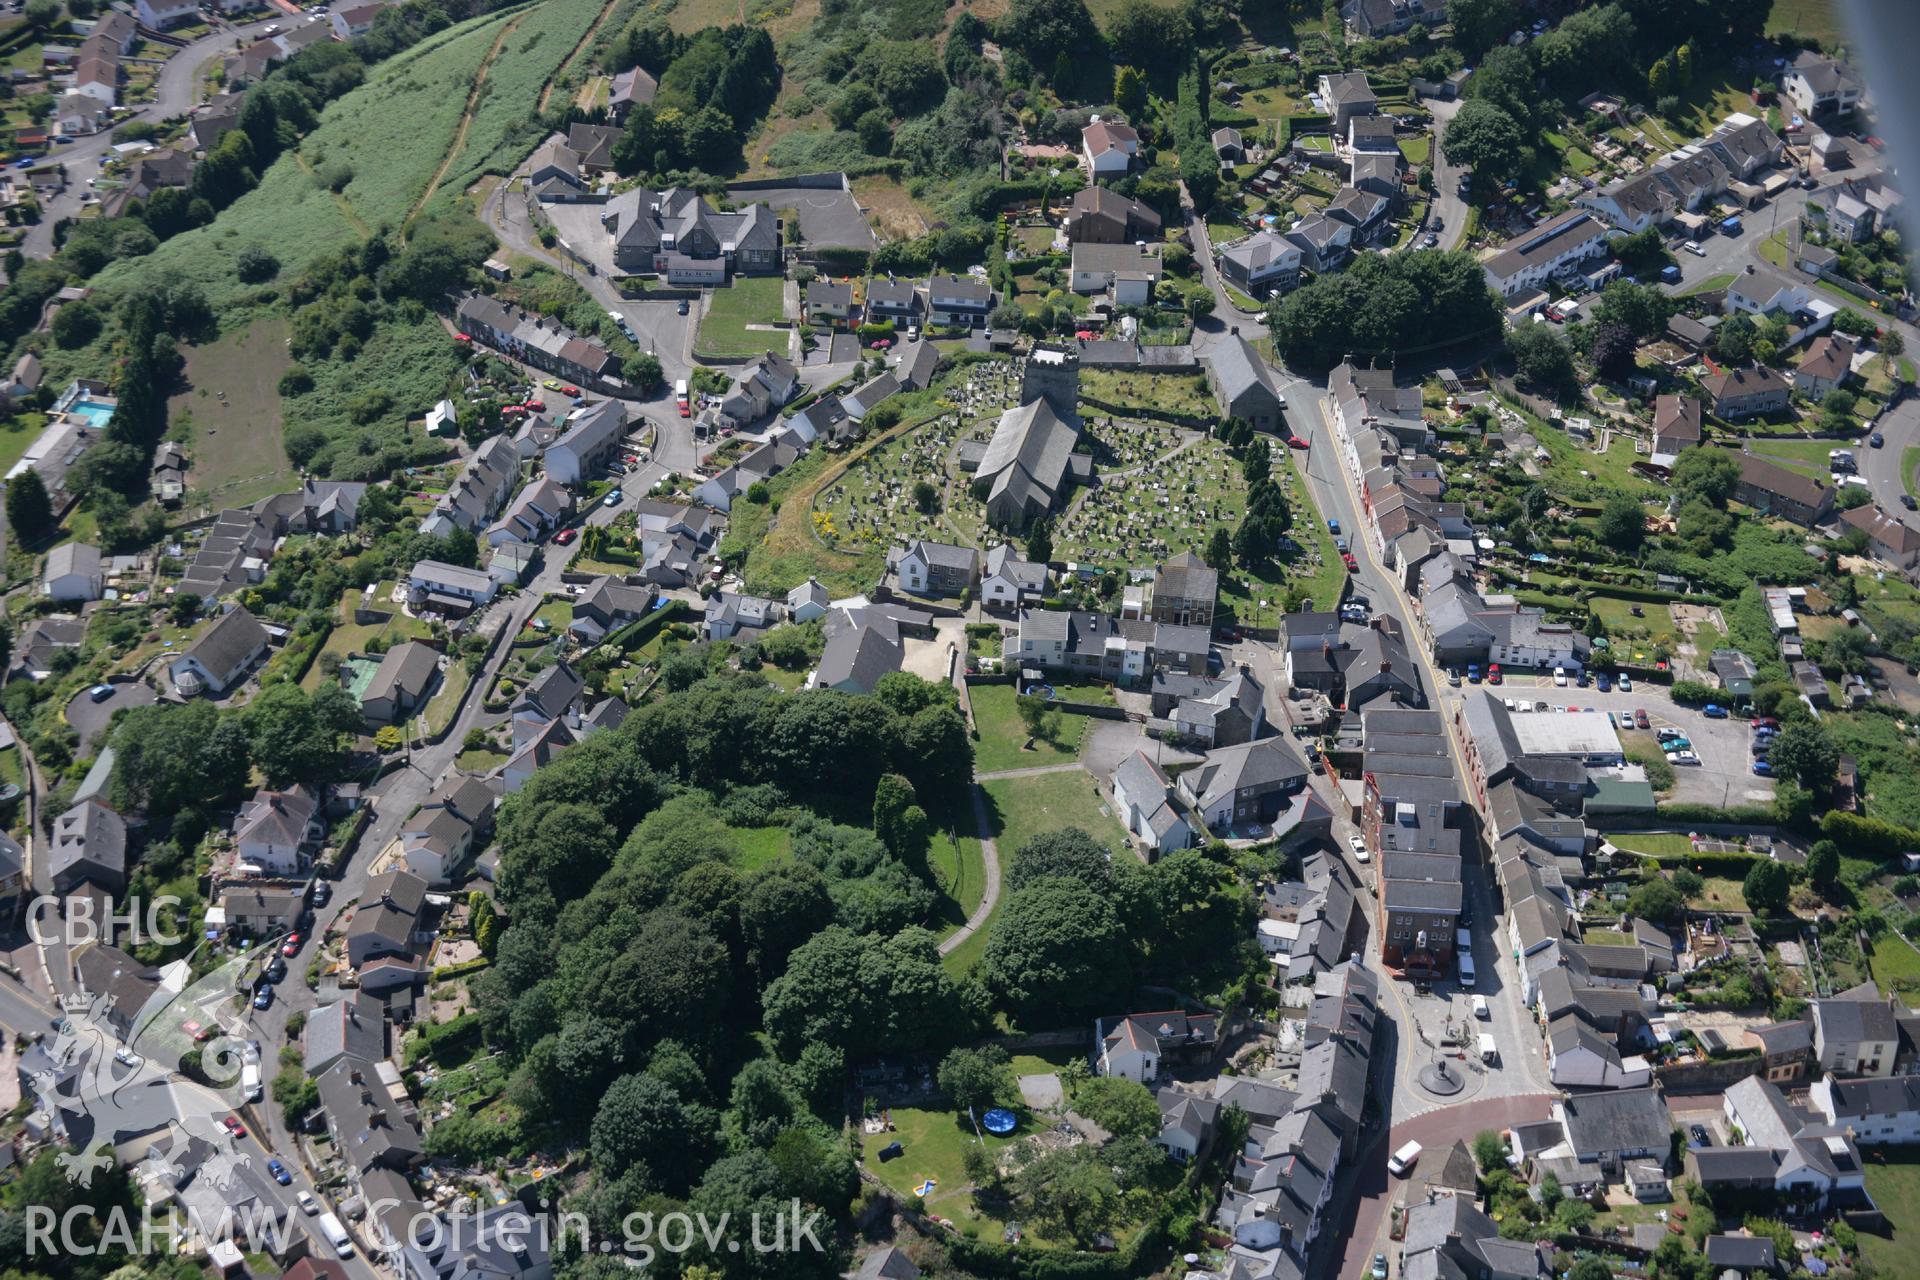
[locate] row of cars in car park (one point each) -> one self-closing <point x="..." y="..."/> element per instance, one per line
<point x="1762" y="732"/>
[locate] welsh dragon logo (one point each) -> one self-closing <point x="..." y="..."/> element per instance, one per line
<point x="136" y="1084"/>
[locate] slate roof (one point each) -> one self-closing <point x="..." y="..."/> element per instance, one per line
<point x="1239" y="369"/>
<point x="1618" y="1120"/>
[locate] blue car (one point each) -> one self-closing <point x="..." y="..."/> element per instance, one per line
<point x="263" y="997"/>
<point x="279" y="1172"/>
<point x="1604" y="682"/>
<point x="1763" y="767"/>
<point x="1333" y="526"/>
<point x="1714" y="711"/>
<point x="1473" y="675"/>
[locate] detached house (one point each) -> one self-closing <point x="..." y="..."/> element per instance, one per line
<point x="1108" y="147"/>
<point x="275" y="829"/>
<point x="1136" y="1047"/>
<point x="959" y="301"/>
<point x="221" y="656"/>
<point x="1825" y="366"/>
<point x="936" y="569"/>
<point x="1820" y="86"/>
<point x="400" y="686"/>
<point x="1262" y="262"/>
<point x="385" y="922"/>
<point x="1676" y="426"/>
<point x="1148" y="807"/>
<point x="1127" y="272"/>
<point x="1100" y="215"/>
<point x="72" y="573"/>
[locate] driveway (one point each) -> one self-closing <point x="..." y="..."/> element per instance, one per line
<point x="89" y="718"/>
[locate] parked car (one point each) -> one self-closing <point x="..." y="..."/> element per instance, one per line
<point x="566" y="536"/>
<point x="233" y="1126"/>
<point x="1625" y="682"/>
<point x="1714" y="711"/>
<point x="683" y="306"/>
<point x="1453" y="678"/>
<point x="1560" y="677"/>
<point x="1473" y="673"/>
<point x="1877" y="440"/>
<point x="1682" y="757"/>
<point x="1493" y="674"/>
<point x="1764" y="768"/>
<point x="279" y="1172"/>
<point x="1639" y="718"/>
<point x="276" y="970"/>
<point x="322" y="893"/>
<point x="291" y="947"/>
<point x="1698" y="1137"/>
<point x="1906" y="500"/>
<point x="1380" y="1259"/>
<point x="1295" y="442"/>
<point x="263" y="996"/>
<point x="1603" y="682"/>
<point x="307" y="1203"/>
<point x="1693" y="247"/>
<point x="1359" y="848"/>
<point x="1481" y="1009"/>
<point x="100" y="692"/>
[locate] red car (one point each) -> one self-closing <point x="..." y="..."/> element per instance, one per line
<point x="685" y="412"/>
<point x="292" y="946"/>
<point x="569" y="391"/>
<point x="1639" y="719"/>
<point x="461" y="337"/>
<point x="1352" y="565"/>
<point x="234" y="1127"/>
<point x="1295" y="442"/>
<point x="1765" y="722"/>
<point x="536" y="406"/>
<point x="566" y="536"/>
<point x="195" y="1032"/>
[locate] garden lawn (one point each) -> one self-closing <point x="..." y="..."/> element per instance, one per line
<point x="23" y="429"/>
<point x="934" y="1142"/>
<point x="960" y="870"/>
<point x="1722" y="894"/>
<point x="750" y="300"/>
<point x="1896" y="966"/>
<point x="1893" y="1180"/>
<point x="1657" y="625"/>
<point x="445" y="703"/>
<point x="1169" y="393"/>
<point x="1003" y="735"/>
<point x="484" y="760"/>
<point x="1658" y="844"/>
<point x="1810" y="20"/>
<point x="1022" y="808"/>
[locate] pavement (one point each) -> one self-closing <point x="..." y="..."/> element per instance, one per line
<point x="176" y="91"/>
<point x="89" y="718"/>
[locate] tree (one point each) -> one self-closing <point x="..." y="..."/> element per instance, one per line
<point x="1733" y="340"/>
<point x="1219" y="550"/>
<point x="29" y="509"/>
<point x="1657" y="899"/>
<point x="1708" y="474"/>
<point x="288" y="739"/>
<point x="255" y="263"/>
<point x="1689" y="883"/>
<point x="1766" y="886"/>
<point x="1643" y="309"/>
<point x="1069" y="1192"/>
<point x="1542" y="358"/>
<point x="1040" y="541"/>
<point x="1587" y="1268"/>
<point x="1130" y="91"/>
<point x="1612" y="349"/>
<point x="1489" y="1150"/>
<point x="1042" y="721"/>
<point x="1122" y="1107"/>
<point x="1823" y="864"/>
<point x="1073" y="854"/>
<point x="1487" y="139"/>
<point x="1055" y="953"/>
<point x="1623" y="524"/>
<point x="1479" y="25"/>
<point x="641" y="1121"/>
<point x="1805" y="752"/>
<point x="975" y="1079"/>
<point x="1145" y="34"/>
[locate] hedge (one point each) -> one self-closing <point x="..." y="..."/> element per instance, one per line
<point x="639" y="631"/>
<point x="1745" y="814"/>
<point x="990" y="1258"/>
<point x="460" y="970"/>
<point x="1871" y="836"/>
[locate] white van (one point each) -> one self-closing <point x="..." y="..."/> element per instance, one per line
<point x="1466" y="969"/>
<point x="1489" y="1052"/>
<point x="336" y="1235"/>
<point x="1402" y="1160"/>
<point x="250" y="1081"/>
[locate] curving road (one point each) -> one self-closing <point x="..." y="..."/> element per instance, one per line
<point x="176" y="91"/>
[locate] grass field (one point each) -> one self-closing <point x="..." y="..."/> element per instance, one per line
<point x="1811" y="20"/>
<point x="1003" y="735"/>
<point x="1893" y="1180"/>
<point x="959" y="869"/>
<point x="233" y="402"/>
<point x="445" y="702"/>
<point x="1910" y="468"/>
<point x="750" y="300"/>
<point x="1655" y="628"/>
<point x="23" y="429"/>
<point x="1020" y="808"/>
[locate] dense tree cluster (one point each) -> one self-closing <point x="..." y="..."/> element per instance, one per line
<point x="713" y="86"/>
<point x="1387" y="303"/>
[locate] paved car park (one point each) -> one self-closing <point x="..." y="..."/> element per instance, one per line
<point x="829" y="218"/>
<point x="1724" y="777"/>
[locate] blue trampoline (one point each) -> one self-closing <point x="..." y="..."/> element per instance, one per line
<point x="999" y="1121"/>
